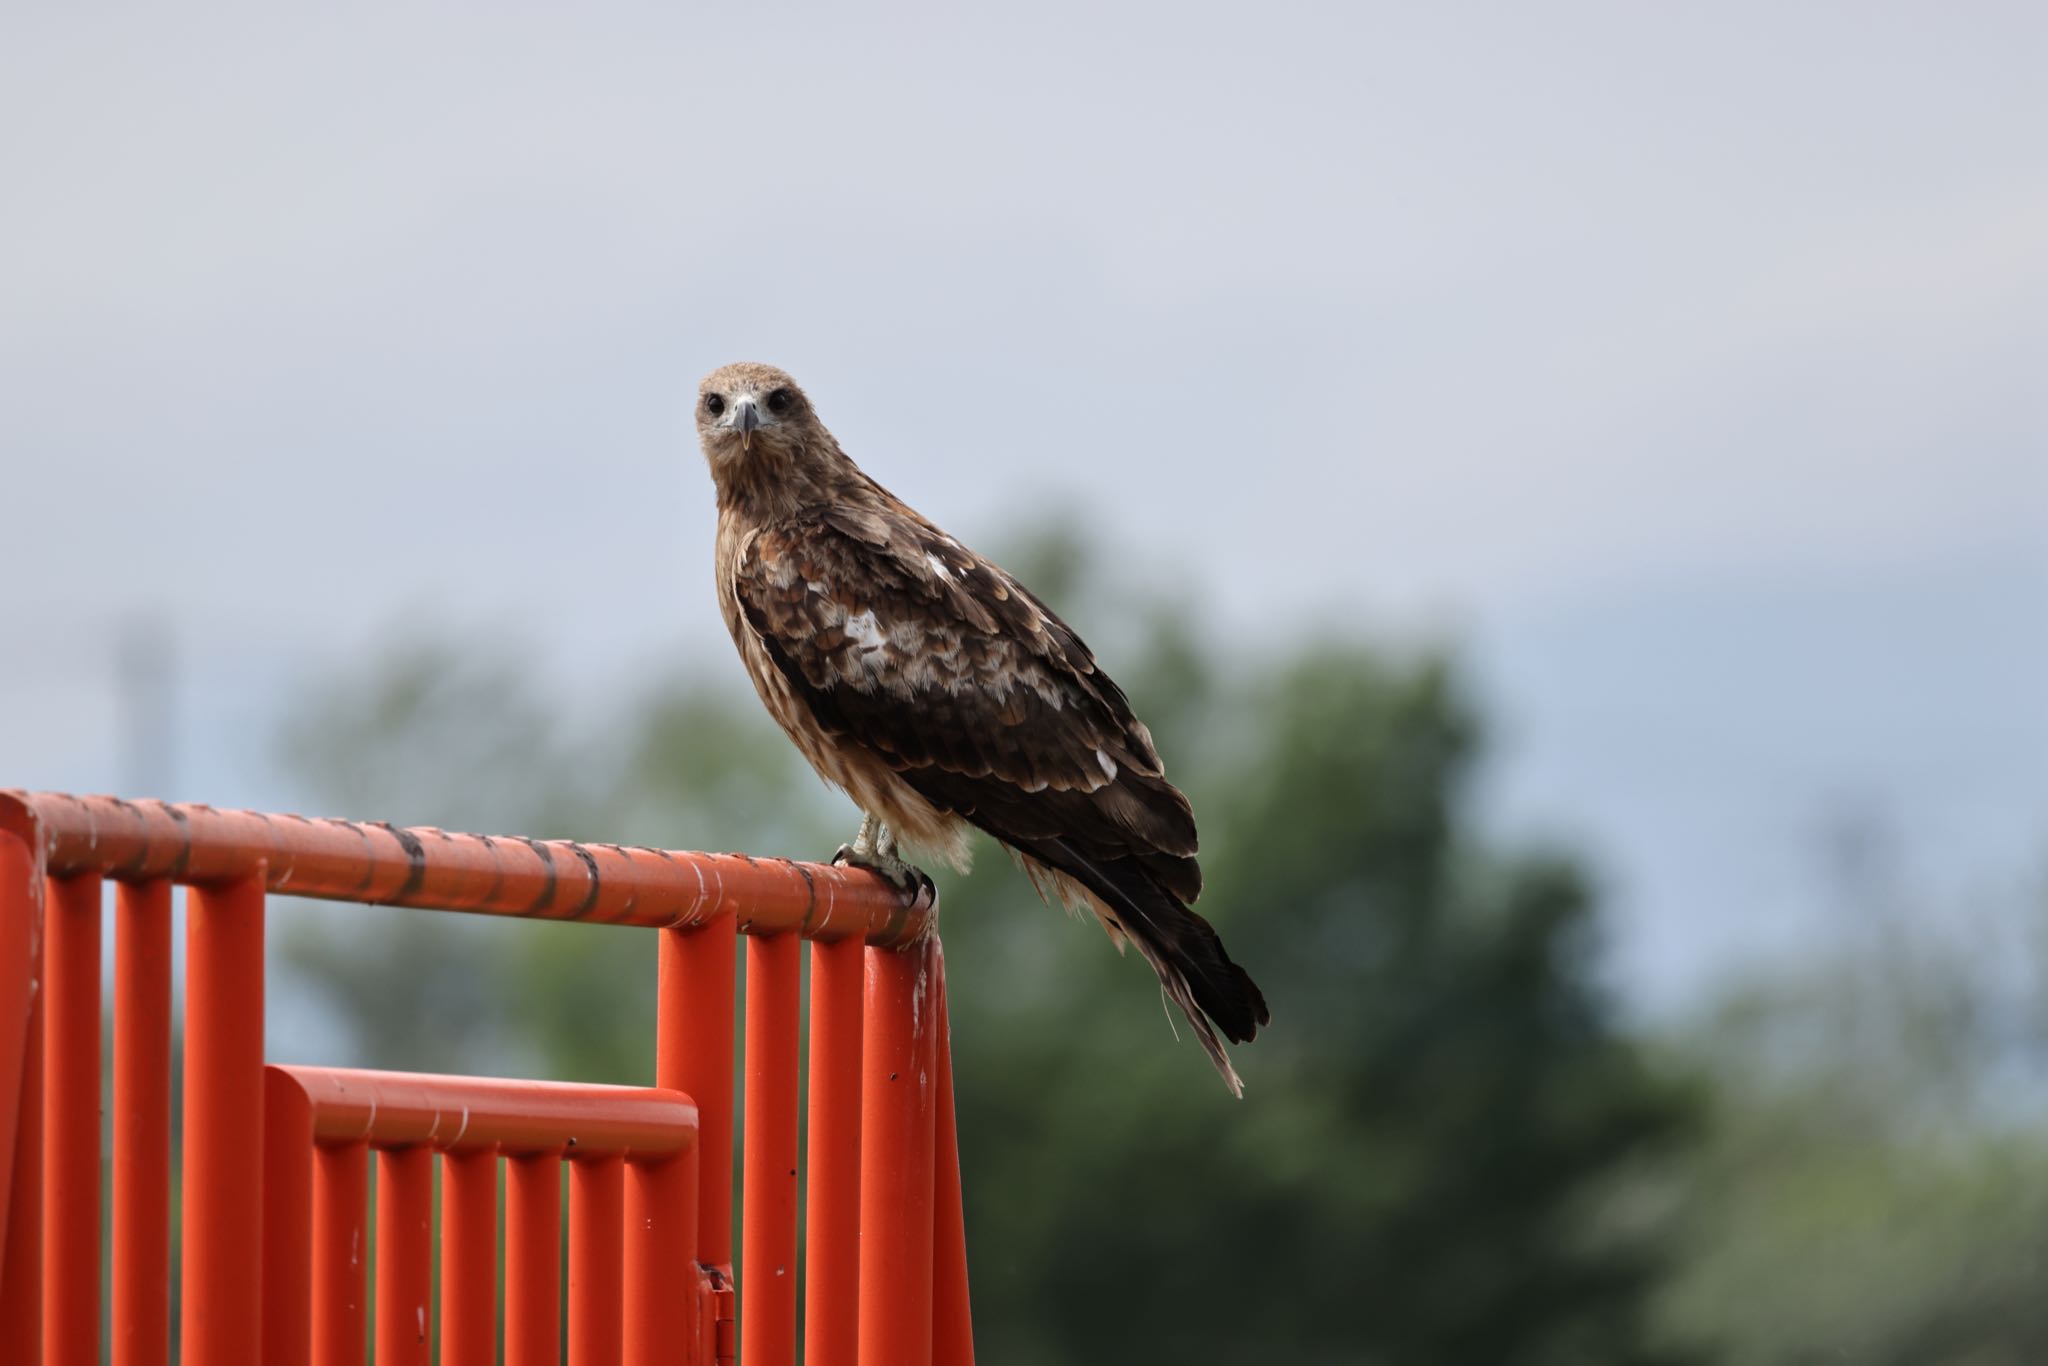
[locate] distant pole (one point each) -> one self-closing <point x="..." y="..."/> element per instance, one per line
<point x="145" y="668"/>
<point x="1861" y="858"/>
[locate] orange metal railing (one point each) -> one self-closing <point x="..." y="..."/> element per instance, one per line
<point x="320" y="1126"/>
<point x="275" y="1209"/>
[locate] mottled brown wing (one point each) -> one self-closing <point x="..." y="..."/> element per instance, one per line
<point x="903" y="641"/>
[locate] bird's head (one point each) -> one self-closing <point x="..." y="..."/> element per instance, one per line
<point x="747" y="412"/>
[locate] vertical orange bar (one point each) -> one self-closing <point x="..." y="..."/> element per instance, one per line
<point x="71" y="1123"/>
<point x="660" y="1267"/>
<point x="693" y="1054"/>
<point x="596" y="1251"/>
<point x="952" y="1322"/>
<point x="405" y="1256"/>
<point x="223" y="1197"/>
<point x="897" y="1103"/>
<point x="21" y="1257"/>
<point x="768" y="1167"/>
<point x="469" y="1258"/>
<point x="20" y="935"/>
<point x="341" y="1253"/>
<point x="287" y="1222"/>
<point x="140" y="1324"/>
<point x="832" y="1209"/>
<point x="533" y="1260"/>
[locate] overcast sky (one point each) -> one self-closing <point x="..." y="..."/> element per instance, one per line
<point x="1686" y="367"/>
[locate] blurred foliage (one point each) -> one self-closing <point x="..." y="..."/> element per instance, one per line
<point x="1452" y="1150"/>
<point x="1874" y="1187"/>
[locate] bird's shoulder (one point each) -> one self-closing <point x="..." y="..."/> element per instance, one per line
<point x="871" y="599"/>
<point x="882" y="557"/>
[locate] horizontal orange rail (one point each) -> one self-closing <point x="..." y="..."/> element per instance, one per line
<point x="474" y="1114"/>
<point x="439" y="870"/>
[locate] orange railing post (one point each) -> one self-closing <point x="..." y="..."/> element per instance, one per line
<point x="469" y="1258"/>
<point x="832" y="1206"/>
<point x="223" y="1205"/>
<point x="952" y="1328"/>
<point x="597" y="1269"/>
<point x="21" y="1300"/>
<point x="71" y="1122"/>
<point x="21" y="881"/>
<point x="289" y="1216"/>
<point x="896" y="1150"/>
<point x="405" y="1255"/>
<point x="21" y="1089"/>
<point x="140" y="1320"/>
<point x="768" y="1172"/>
<point x="341" y="1247"/>
<point x="661" y="1237"/>
<point x="533" y="1269"/>
<point x="277" y="1228"/>
<point x="693" y="1054"/>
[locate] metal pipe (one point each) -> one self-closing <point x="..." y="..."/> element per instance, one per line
<point x="896" y="1155"/>
<point x="693" y="1054"/>
<point x="341" y="1262"/>
<point x="287" y="1223"/>
<point x="405" y="1256"/>
<point x="21" y="932"/>
<point x="768" y="1170"/>
<point x="439" y="870"/>
<point x="596" y="1261"/>
<point x="223" y="1199"/>
<point x="469" y="1257"/>
<point x="485" y="1114"/>
<point x="533" y="1267"/>
<point x="139" y="1325"/>
<point x="21" y="1254"/>
<point x="71" y="1122"/>
<point x="832" y="1175"/>
<point x="660" y="1260"/>
<point x="952" y="1323"/>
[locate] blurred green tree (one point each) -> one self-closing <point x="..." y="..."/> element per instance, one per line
<point x="1442" y="1152"/>
<point x="1873" y="1187"/>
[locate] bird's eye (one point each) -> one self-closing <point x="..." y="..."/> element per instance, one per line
<point x="779" y="402"/>
<point x="713" y="404"/>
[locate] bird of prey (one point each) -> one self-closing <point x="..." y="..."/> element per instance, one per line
<point x="942" y="697"/>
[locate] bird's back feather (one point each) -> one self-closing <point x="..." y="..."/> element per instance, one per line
<point x="895" y="642"/>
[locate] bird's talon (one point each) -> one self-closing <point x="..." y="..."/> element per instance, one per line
<point x="904" y="876"/>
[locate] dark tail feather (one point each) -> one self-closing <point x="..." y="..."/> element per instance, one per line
<point x="1184" y="949"/>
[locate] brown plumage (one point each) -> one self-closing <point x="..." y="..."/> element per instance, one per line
<point x="942" y="696"/>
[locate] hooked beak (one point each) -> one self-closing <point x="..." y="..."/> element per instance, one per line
<point x="746" y="419"/>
